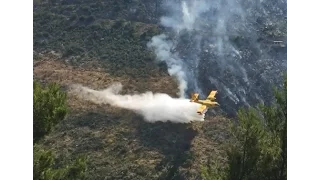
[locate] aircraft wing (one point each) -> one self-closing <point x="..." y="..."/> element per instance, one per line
<point x="201" y="109"/>
<point x="212" y="95"/>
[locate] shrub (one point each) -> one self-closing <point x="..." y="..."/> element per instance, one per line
<point x="44" y="166"/>
<point x="258" y="148"/>
<point x="49" y="107"/>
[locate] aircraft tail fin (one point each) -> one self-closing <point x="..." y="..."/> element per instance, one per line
<point x="194" y="97"/>
<point x="212" y="95"/>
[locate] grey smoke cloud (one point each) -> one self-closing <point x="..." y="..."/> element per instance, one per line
<point x="225" y="41"/>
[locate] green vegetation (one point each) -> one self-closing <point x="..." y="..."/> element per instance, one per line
<point x="258" y="146"/>
<point x="49" y="107"/>
<point x="44" y="163"/>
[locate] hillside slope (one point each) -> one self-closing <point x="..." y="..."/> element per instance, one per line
<point x="83" y="30"/>
<point x="119" y="144"/>
<point x="237" y="47"/>
<point x="98" y="43"/>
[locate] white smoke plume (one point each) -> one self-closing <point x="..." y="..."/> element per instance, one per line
<point x="162" y="49"/>
<point x="163" y="46"/>
<point x="190" y="12"/>
<point x="153" y="107"/>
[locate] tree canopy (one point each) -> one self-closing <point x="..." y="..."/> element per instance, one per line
<point x="257" y="148"/>
<point x="49" y="108"/>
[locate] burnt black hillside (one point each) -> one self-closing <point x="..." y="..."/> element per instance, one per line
<point x="242" y="57"/>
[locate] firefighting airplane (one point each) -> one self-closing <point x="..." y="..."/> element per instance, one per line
<point x="205" y="104"/>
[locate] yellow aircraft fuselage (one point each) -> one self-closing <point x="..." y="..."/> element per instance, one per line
<point x="205" y="104"/>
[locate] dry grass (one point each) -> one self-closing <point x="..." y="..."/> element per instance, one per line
<point x="57" y="71"/>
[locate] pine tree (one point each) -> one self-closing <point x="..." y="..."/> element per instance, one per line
<point x="49" y="108"/>
<point x="258" y="147"/>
